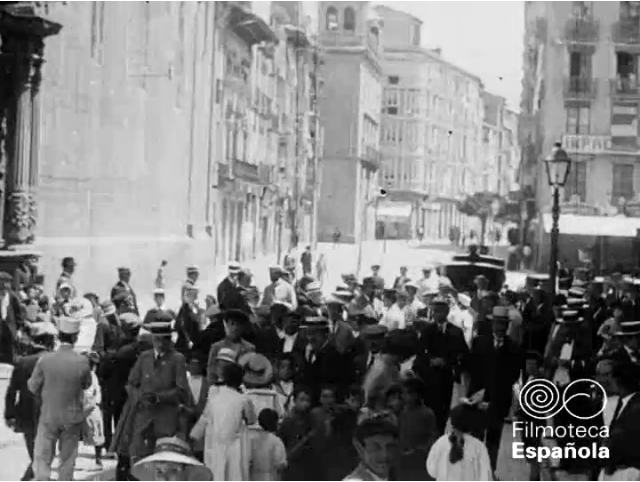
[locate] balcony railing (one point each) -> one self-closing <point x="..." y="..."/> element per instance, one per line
<point x="627" y="31"/>
<point x="625" y="86"/>
<point x="580" y="88"/>
<point x="371" y="157"/>
<point x="582" y="30"/>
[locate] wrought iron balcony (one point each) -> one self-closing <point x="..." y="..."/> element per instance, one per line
<point x="627" y="31"/>
<point x="371" y="158"/>
<point x="623" y="86"/>
<point x="582" y="30"/>
<point x="580" y="88"/>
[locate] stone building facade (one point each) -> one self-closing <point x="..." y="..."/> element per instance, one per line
<point x="152" y="141"/>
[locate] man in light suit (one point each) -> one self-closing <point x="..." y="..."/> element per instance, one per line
<point x="59" y="380"/>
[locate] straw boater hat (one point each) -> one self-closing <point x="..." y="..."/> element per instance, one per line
<point x="316" y="323"/>
<point x="162" y="324"/>
<point x="171" y="450"/>
<point x="234" y="267"/>
<point x="258" y="370"/>
<point x="192" y="269"/>
<point x="228" y="355"/>
<point x="499" y="313"/>
<point x="108" y="308"/>
<point x="569" y="317"/>
<point x="629" y="328"/>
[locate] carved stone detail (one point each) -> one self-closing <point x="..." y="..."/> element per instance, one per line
<point x="21" y="224"/>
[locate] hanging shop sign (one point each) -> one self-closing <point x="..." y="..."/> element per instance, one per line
<point x="586" y="144"/>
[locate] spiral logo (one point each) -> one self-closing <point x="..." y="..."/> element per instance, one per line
<point x="541" y="399"/>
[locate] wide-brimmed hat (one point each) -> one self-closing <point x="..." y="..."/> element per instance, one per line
<point x="42" y="329"/>
<point x="439" y="301"/>
<point x="175" y="450"/>
<point x="234" y="314"/>
<point x="258" y="370"/>
<point x="228" y="355"/>
<point x="628" y="328"/>
<point x="162" y="324"/>
<point x="63" y="286"/>
<point x="499" y="313"/>
<point x="464" y="300"/>
<point x="401" y="343"/>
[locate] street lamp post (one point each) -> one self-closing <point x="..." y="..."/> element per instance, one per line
<point x="558" y="165"/>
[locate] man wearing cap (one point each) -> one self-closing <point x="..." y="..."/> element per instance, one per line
<point x="21" y="409"/>
<point x="59" y="380"/>
<point x="306" y="259"/>
<point x="367" y="345"/>
<point x="123" y="286"/>
<point x="275" y="273"/>
<point x="441" y="358"/>
<point x="228" y="292"/>
<point x="159" y="297"/>
<point x="376" y="442"/>
<point x="188" y="323"/>
<point x="401" y="280"/>
<point x="494" y="365"/>
<point x="68" y="268"/>
<point x="158" y="387"/>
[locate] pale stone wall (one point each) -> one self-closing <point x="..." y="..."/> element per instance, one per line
<point x="126" y="155"/>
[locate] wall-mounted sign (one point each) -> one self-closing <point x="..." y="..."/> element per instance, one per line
<point x="586" y="144"/>
<point x="578" y="208"/>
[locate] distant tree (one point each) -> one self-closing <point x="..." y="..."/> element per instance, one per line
<point x="480" y="205"/>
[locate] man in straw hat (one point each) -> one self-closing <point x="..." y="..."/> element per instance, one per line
<point x="188" y="321"/>
<point x="228" y="287"/>
<point x="172" y="460"/>
<point x="158" y="388"/>
<point x="629" y="336"/>
<point x="21" y="409"/>
<point x="376" y="441"/>
<point x="59" y="380"/>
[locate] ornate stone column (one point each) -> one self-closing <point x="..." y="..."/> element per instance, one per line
<point x="22" y="31"/>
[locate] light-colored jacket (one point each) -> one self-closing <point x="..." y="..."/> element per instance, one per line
<point x="60" y="379"/>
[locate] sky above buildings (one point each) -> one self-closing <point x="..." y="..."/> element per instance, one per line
<point x="485" y="38"/>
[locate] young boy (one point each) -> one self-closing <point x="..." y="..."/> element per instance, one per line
<point x="284" y="382"/>
<point x="296" y="432"/>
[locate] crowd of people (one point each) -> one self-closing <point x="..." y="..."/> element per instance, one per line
<point x="406" y="380"/>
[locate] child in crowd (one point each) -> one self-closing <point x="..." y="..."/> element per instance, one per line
<point x="93" y="432"/>
<point x="268" y="453"/>
<point x="284" y="382"/>
<point x="295" y="431"/>
<point x="417" y="428"/>
<point x="459" y="455"/>
<point x="223" y="425"/>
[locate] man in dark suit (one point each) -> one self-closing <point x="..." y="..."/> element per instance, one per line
<point x="495" y="364"/>
<point x="291" y="339"/>
<point x="341" y="333"/>
<point x="366" y="346"/>
<point x="324" y="364"/>
<point x="441" y="356"/>
<point x="228" y="289"/>
<point x="123" y="286"/>
<point x="21" y="410"/>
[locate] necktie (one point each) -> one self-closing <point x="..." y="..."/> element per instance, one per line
<point x="617" y="411"/>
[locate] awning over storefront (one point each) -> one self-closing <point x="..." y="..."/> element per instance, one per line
<point x="614" y="226"/>
<point x="394" y="212"/>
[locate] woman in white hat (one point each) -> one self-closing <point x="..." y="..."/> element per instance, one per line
<point x="171" y="460"/>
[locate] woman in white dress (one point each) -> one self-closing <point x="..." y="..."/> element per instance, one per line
<point x="458" y="455"/>
<point x="224" y="426"/>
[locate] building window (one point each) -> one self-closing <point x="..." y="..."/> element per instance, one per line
<point x="349" y="19"/>
<point x="622" y="183"/>
<point x="578" y="120"/>
<point x="582" y="9"/>
<point x="577" y="182"/>
<point x="394" y="79"/>
<point x="579" y="65"/>
<point x="416" y="35"/>
<point x="332" y="18"/>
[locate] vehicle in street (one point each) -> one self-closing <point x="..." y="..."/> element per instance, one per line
<point x="463" y="269"/>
